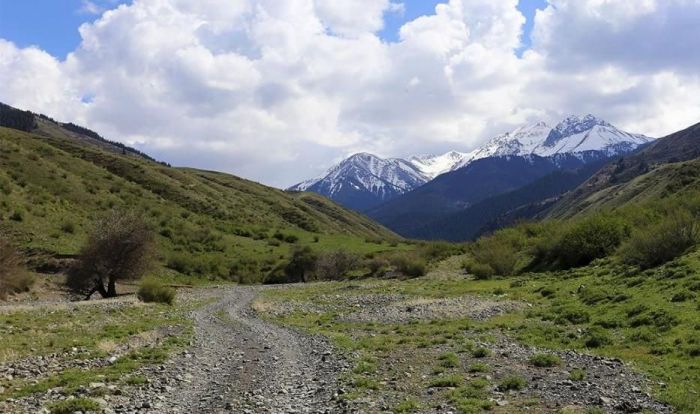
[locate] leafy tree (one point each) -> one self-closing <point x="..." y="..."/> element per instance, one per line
<point x="119" y="248"/>
<point x="301" y="264"/>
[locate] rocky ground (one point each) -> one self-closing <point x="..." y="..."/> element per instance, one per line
<point x="239" y="362"/>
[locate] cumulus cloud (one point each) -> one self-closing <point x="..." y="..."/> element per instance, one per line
<point x="276" y="90"/>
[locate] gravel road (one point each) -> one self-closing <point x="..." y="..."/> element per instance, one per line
<point x="241" y="363"/>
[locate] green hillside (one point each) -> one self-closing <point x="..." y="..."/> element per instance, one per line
<point x="54" y="183"/>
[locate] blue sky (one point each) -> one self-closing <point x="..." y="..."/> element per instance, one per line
<point x="53" y="25"/>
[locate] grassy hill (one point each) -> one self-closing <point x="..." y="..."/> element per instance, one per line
<point x="55" y="182"/>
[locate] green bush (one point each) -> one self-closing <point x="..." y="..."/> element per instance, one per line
<point x="153" y="290"/>
<point x="512" y="383"/>
<point x="597" y="337"/>
<point x="74" y="405"/>
<point x="545" y="360"/>
<point x="409" y="265"/>
<point x="586" y="240"/>
<point x="481" y="352"/>
<point x="500" y="252"/>
<point x="577" y="374"/>
<point x="438" y="250"/>
<point x="481" y="271"/>
<point x="661" y="242"/>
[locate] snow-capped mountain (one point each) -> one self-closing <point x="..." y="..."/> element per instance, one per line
<point x="573" y="135"/>
<point x="364" y="180"/>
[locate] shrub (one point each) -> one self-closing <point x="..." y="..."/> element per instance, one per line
<point x="597" y="337"/>
<point x="377" y="265"/>
<point x="545" y="360"/>
<point x="74" y="405"/>
<point x="118" y="248"/>
<point x="577" y="374"/>
<point x="481" y="352"/>
<point x="290" y="238"/>
<point x="409" y="265"/>
<point x="437" y="250"/>
<point x="449" y="360"/>
<point x="153" y="290"/>
<point x="13" y="277"/>
<point x="500" y="252"/>
<point x="481" y="271"/>
<point x="661" y="242"/>
<point x="589" y="239"/>
<point x="478" y="367"/>
<point x="512" y="383"/>
<point x="335" y="265"/>
<point x="446" y="381"/>
<point x="68" y="227"/>
<point x="682" y="296"/>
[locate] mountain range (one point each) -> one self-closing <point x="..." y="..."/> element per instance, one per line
<point x="365" y="181"/>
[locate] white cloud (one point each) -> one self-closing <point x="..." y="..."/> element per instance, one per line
<point x="275" y="90"/>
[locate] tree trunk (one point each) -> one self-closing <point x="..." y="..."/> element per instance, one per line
<point x="111" y="289"/>
<point x="100" y="288"/>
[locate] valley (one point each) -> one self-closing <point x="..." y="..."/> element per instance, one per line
<point x="261" y="300"/>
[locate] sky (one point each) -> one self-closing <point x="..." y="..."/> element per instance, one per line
<point x="278" y="91"/>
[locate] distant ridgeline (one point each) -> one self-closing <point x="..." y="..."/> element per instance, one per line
<point x="28" y="121"/>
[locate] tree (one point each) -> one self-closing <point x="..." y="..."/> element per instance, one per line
<point x="302" y="262"/>
<point x="119" y="248"/>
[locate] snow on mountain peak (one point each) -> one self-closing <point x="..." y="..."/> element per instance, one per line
<point x="383" y="178"/>
<point x="434" y="165"/>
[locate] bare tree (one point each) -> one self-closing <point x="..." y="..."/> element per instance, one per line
<point x="119" y="248"/>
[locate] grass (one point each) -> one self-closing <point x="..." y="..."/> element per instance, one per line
<point x="80" y="333"/>
<point x="605" y="309"/>
<point x="209" y="225"/>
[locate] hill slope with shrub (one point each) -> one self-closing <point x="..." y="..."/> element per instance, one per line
<point x="643" y="174"/>
<point x="54" y="183"/>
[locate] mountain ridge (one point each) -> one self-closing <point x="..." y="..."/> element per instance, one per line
<point x="579" y="135"/>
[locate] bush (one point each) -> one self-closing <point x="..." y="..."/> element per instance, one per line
<point x="500" y="251"/>
<point x="597" y="337"/>
<point x="577" y="374"/>
<point x="438" y="250"/>
<point x="408" y="265"/>
<point x="68" y="227"/>
<point x="377" y="265"/>
<point x="152" y="290"/>
<point x="661" y="242"/>
<point x="481" y="352"/>
<point x="14" y="278"/>
<point x="481" y="271"/>
<point x="335" y="265"/>
<point x="74" y="405"/>
<point x="587" y="240"/>
<point x="512" y="383"/>
<point x="545" y="360"/>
